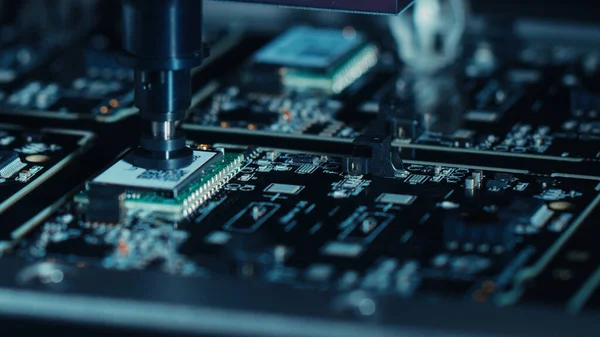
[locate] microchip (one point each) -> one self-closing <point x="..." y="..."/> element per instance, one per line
<point x="284" y="189"/>
<point x="10" y="164"/>
<point x="496" y="185"/>
<point x="122" y="173"/>
<point x="397" y="199"/>
<point x="173" y="194"/>
<point x="315" y="58"/>
<point x="506" y="177"/>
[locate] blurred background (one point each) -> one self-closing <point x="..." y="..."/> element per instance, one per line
<point x="75" y="15"/>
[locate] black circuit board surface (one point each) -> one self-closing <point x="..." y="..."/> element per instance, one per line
<point x="527" y="102"/>
<point x="299" y="220"/>
<point x="507" y="113"/>
<point x="497" y="202"/>
<point x="300" y="115"/>
<point x="84" y="80"/>
<point x="229" y="106"/>
<point x="29" y="158"/>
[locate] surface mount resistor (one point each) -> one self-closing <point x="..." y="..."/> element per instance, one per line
<point x="478" y="176"/>
<point x="470" y="183"/>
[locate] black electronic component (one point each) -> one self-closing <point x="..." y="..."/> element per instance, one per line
<point x="106" y="204"/>
<point x="505" y="177"/>
<point x="496" y="185"/>
<point x="372" y="155"/>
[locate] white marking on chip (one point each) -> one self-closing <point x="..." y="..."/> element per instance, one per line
<point x="396" y="199"/>
<point x="217" y="238"/>
<point x="342" y="249"/>
<point x="124" y="174"/>
<point x="284" y="189"/>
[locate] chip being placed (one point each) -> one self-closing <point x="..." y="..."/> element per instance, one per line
<point x="174" y="194"/>
<point x="127" y="175"/>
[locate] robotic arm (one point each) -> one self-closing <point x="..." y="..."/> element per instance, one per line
<point x="162" y="42"/>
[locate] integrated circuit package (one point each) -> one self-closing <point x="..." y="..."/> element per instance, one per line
<point x="316" y="58"/>
<point x="173" y="194"/>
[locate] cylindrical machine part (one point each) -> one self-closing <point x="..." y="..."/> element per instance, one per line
<point x="162" y="34"/>
<point x="162" y="41"/>
<point x="163" y="95"/>
<point x="163" y="130"/>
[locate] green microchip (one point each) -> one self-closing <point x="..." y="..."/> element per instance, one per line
<point x="196" y="192"/>
<point x="311" y="58"/>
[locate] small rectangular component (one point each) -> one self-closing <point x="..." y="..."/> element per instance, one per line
<point x="541" y="217"/>
<point x="319" y="272"/>
<point x="127" y="175"/>
<point x="217" y="238"/>
<point x="315" y="58"/>
<point x="284" y="189"/>
<point x="342" y="249"/>
<point x="496" y="185"/>
<point x="396" y="199"/>
<point x="482" y="116"/>
<point x="521" y="186"/>
<point x="560" y="223"/>
<point x="463" y="134"/>
<point x="506" y="177"/>
<point x="304" y="159"/>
